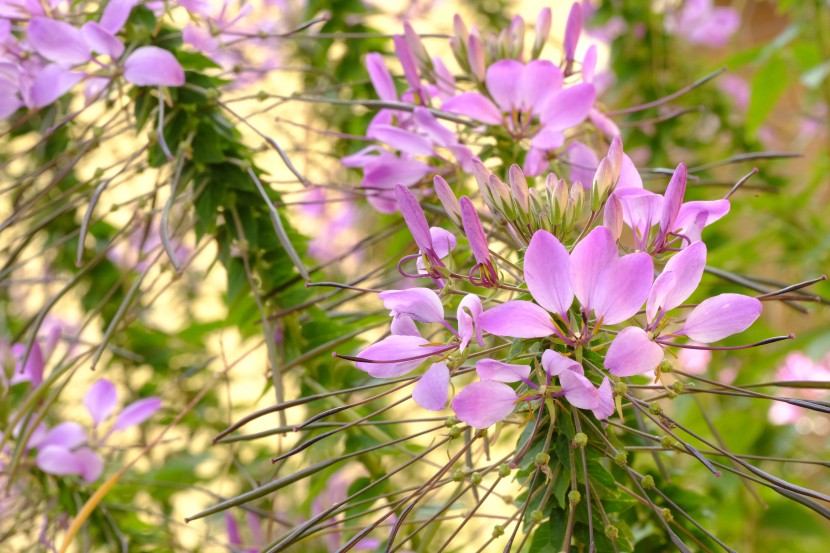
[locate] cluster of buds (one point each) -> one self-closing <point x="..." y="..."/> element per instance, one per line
<point x="553" y="206"/>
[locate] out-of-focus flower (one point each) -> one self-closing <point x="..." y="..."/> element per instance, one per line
<point x="700" y="22"/>
<point x="798" y="367"/>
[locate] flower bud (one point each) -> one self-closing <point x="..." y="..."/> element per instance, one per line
<point x="517" y="36"/>
<point x="476" y="478"/>
<point x="666" y="514"/>
<point x="541" y="459"/>
<point x="459" y="52"/>
<point x="504" y="470"/>
<point x="501" y="194"/>
<point x="580" y="440"/>
<point x="542" y="32"/>
<point x="678" y="387"/>
<point x="655" y="409"/>
<point x="670" y="443"/>
<point x="458" y="475"/>
<point x="621" y="459"/>
<point x="612" y="532"/>
<point x="518" y="187"/>
<point x="448" y="199"/>
<point x="537" y="516"/>
<point x="498" y="532"/>
<point x="615" y="158"/>
<point x="454" y="432"/>
<point x="603" y="184"/>
<point x="451" y="421"/>
<point x="476" y="57"/>
<point x="574" y="497"/>
<point x="647" y="482"/>
<point x="417" y="47"/>
<point x="573" y="28"/>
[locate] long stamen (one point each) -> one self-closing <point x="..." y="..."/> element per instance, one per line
<point x="772" y="340"/>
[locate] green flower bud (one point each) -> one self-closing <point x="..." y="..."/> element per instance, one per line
<point x="498" y="532"/>
<point x="666" y="513"/>
<point x="580" y="440"/>
<point x="454" y="432"/>
<point x="647" y="482"/>
<point x="655" y="409"/>
<point x="504" y="470"/>
<point x="612" y="532"/>
<point x="621" y="458"/>
<point x="537" y="516"/>
<point x="475" y="478"/>
<point x="574" y="497"/>
<point x="541" y="459"/>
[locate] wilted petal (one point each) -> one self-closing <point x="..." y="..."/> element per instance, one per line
<point x="605" y="403"/>
<point x="100" y="40"/>
<point x="632" y="352"/>
<point x="90" y="464"/>
<point x="153" y="66"/>
<point x="625" y="288"/>
<point x="380" y="77"/>
<point x="555" y="363"/>
<point x="58" y="41"/>
<point x="539" y="78"/>
<point x="56" y="459"/>
<point x="422" y="304"/>
<point x="396" y="355"/>
<point x="721" y="316"/>
<point x="546" y="273"/>
<point x="490" y="369"/>
<point x="474" y="105"/>
<point x="517" y="319"/>
<point x="502" y="79"/>
<point x="136" y="413"/>
<point x="578" y="390"/>
<point x="568" y="107"/>
<point x="678" y="280"/>
<point x="101" y="400"/>
<point x="483" y="404"/>
<point x="590" y="259"/>
<point x="52" y="82"/>
<point x="431" y="390"/>
<point x="65" y="434"/>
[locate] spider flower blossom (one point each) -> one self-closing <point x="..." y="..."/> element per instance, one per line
<point x="67" y="449"/>
<point x="798" y="367"/>
<point x="700" y="22"/>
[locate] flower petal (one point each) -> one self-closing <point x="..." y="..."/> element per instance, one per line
<point x="632" y="352"/>
<point x="490" y="369"/>
<point x="414" y="217"/>
<point x="401" y="139"/>
<point x="517" y="319"/>
<point x="568" y="107"/>
<point x="672" y="200"/>
<point x="502" y="79"/>
<point x="624" y="288"/>
<point x="90" y="464"/>
<point x="58" y="41"/>
<point x="483" y="404"/>
<point x="153" y="66"/>
<point x="468" y="312"/>
<point x="52" y="82"/>
<point x="116" y="14"/>
<point x="573" y="28"/>
<point x="474" y="231"/>
<point x="578" y="390"/>
<point x="605" y="405"/>
<point x="590" y="259"/>
<point x="539" y="78"/>
<point x="381" y="78"/>
<point x="555" y="363"/>
<point x="431" y="390"/>
<point x="55" y="459"/>
<point x="65" y="434"/>
<point x="721" y="316"/>
<point x="683" y="272"/>
<point x="474" y="105"/>
<point x="403" y="325"/>
<point x="422" y="304"/>
<point x="100" y="40"/>
<point x="101" y="400"/>
<point x="136" y="413"/>
<point x="396" y="355"/>
<point x="546" y="273"/>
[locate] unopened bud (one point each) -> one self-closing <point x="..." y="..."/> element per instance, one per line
<point x="602" y="185"/>
<point x="670" y="443"/>
<point x="666" y="513"/>
<point x="505" y="43"/>
<point x="517" y="36"/>
<point x="541" y="459"/>
<point x="504" y="470"/>
<point x="665" y="367"/>
<point x="451" y="421"/>
<point x="475" y="478"/>
<point x="542" y="32"/>
<point x="573" y="28"/>
<point x="417" y="47"/>
<point x="577" y="196"/>
<point x="498" y="532"/>
<point x="537" y="516"/>
<point x="647" y="482"/>
<point x="454" y="432"/>
<point x="501" y="194"/>
<point x="620" y="388"/>
<point x="518" y="187"/>
<point x="458" y="475"/>
<point x="580" y="440"/>
<point x="655" y="409"/>
<point x="448" y="199"/>
<point x="459" y="28"/>
<point x="476" y="58"/>
<point x="678" y="387"/>
<point x="574" y="497"/>
<point x="615" y="158"/>
<point x="621" y="459"/>
<point x="612" y="216"/>
<point x="611" y="532"/>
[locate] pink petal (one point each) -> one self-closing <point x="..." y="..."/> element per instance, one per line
<point x="632" y="352"/>
<point x="58" y="41"/>
<point x="448" y="199"/>
<point x="683" y="272"/>
<point x="408" y="62"/>
<point x="555" y="363"/>
<point x="65" y="434"/>
<point x="605" y="404"/>
<point x="90" y="464"/>
<point x="153" y="66"/>
<point x="641" y="209"/>
<point x="721" y="316"/>
<point x="625" y="288"/>
<point x="517" y="319"/>
<point x="116" y="14"/>
<point x="100" y="40"/>
<point x="443" y="241"/>
<point x="402" y="140"/>
<point x="414" y="217"/>
<point x="490" y="369"/>
<point x="546" y="273"/>
<point x="548" y="138"/>
<point x="578" y="390"/>
<point x="381" y="78"/>
<point x="693" y="216"/>
<point x="468" y="312"/>
<point x="590" y="259"/>
<point x="583" y="162"/>
<point x="396" y="355"/>
<point x="672" y="200"/>
<point x="101" y="400"/>
<point x="422" y="304"/>
<point x="589" y="64"/>
<point x="52" y="82"/>
<point x="502" y="79"/>
<point x="569" y="106"/>
<point x="483" y="404"/>
<point x="475" y="106"/>
<point x="474" y="231"/>
<point x="431" y="390"/>
<point x="136" y="413"/>
<point x="435" y="132"/>
<point x="573" y="28"/>
<point x="629" y="176"/>
<point x="55" y="459"/>
<point x="33" y="370"/>
<point x="538" y="79"/>
<point x="403" y="325"/>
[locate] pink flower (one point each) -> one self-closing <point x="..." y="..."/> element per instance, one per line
<point x="699" y="22"/>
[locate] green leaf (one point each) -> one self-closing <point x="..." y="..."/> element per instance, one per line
<point x="768" y="85"/>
